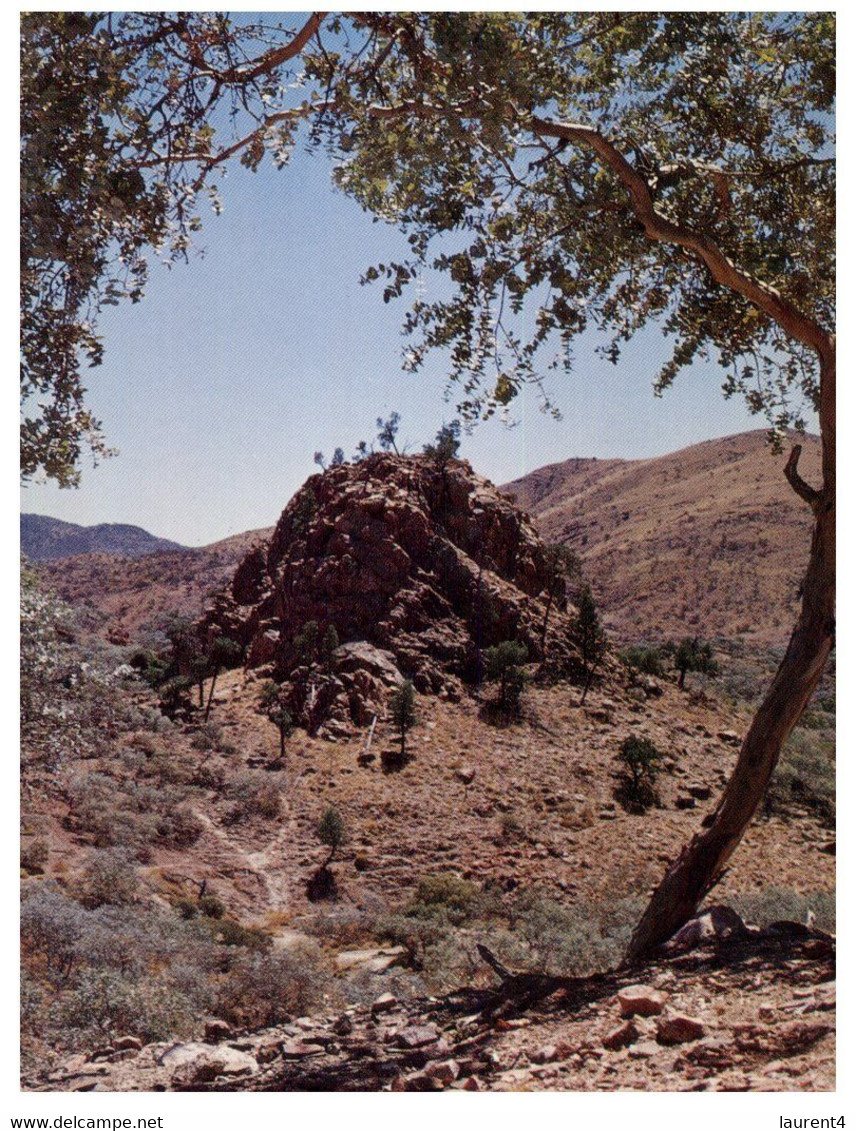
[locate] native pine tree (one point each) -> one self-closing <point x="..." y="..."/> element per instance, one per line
<point x="606" y="170"/>
<point x="402" y="712"/>
<point x="694" y="655"/>
<point x="589" y="636"/>
<point x="332" y="833"/>
<point x="273" y="702"/>
<point x="387" y="430"/>
<point x="223" y="653"/>
<point x="504" y="664"/>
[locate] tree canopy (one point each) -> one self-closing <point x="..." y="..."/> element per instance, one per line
<point x="589" y="169"/>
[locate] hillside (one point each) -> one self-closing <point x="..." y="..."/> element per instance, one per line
<point x="126" y="596"/>
<point x="46" y="539"/>
<point x="709" y="540"/>
<point x="176" y="846"/>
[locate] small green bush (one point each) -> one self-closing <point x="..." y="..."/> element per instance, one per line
<point x="211" y="907"/>
<point x="640" y="758"/>
<point x="644" y="659"/>
<point x="503" y="664"/>
<point x="447" y="895"/>
<point x="109" y="877"/>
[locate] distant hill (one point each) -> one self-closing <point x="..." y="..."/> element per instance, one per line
<point x="709" y="539"/>
<point x="129" y="595"/>
<point x="45" y="539"/>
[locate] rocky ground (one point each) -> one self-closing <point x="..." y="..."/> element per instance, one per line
<point x="731" y="1015"/>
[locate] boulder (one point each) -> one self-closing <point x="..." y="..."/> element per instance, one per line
<point x="384" y="1003"/>
<point x="197" y="1063"/>
<point x="443" y="1070"/>
<point x="417" y="1036"/>
<point x="716" y="922"/>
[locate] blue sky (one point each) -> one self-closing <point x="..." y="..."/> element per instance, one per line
<point x="234" y="369"/>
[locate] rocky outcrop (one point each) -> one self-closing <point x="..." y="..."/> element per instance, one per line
<point x="422" y="565"/>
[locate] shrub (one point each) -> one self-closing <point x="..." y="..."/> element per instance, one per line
<point x="332" y="831"/>
<point x="111" y="1004"/>
<point x="446" y="894"/>
<point x="503" y="663"/>
<point x="267" y="989"/>
<point x="109" y="877"/>
<point x="211" y="907"/>
<point x="772" y="904"/>
<point x="253" y="793"/>
<point x="640" y="758"/>
<point x="642" y="659"/>
<point x="34" y="855"/>
<point x="563" y="940"/>
<point x="231" y="933"/>
<point x="511" y="827"/>
<point x="805" y="774"/>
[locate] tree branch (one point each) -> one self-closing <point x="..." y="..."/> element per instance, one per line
<point x="273" y="59"/>
<point x="796" y="323"/>
<point x="796" y="481"/>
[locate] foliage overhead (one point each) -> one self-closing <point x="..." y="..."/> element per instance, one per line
<point x="563" y="170"/>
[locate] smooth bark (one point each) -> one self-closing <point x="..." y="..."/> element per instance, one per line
<point x="702" y="862"/>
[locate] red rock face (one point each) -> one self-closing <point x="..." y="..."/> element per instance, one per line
<point x="430" y="565"/>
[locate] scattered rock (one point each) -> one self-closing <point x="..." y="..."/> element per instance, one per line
<point x="641" y="1001"/>
<point x="196" y="1063"/>
<point x="677" y="1029"/>
<point x="443" y="1070"/>
<point x="699" y="792"/>
<point x="384" y="1003"/>
<point x="466" y="774"/>
<point x="717" y="922"/>
<point x="729" y="737"/>
<point x="375" y="961"/>
<point x="122" y="1043"/>
<point x="621" y="1037"/>
<point x="299" y="1048"/>
<point x="417" y="1036"/>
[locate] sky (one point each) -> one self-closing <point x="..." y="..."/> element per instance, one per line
<point x="218" y="388"/>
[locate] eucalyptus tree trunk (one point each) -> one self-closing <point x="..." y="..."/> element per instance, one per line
<point x="703" y="860"/>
